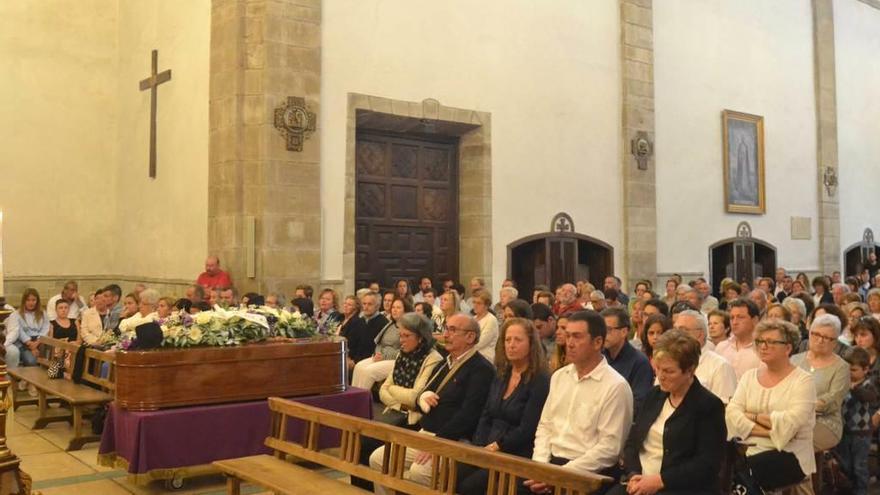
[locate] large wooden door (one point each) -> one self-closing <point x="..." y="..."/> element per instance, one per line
<point x="406" y="209"/>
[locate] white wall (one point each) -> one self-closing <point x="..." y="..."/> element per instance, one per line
<point x="752" y="56"/>
<point x="857" y="45"/>
<point x="57" y="158"/>
<point x="548" y="72"/>
<point x="162" y="222"/>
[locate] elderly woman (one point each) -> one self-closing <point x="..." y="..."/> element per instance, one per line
<point x="515" y="401"/>
<point x="677" y="439"/>
<point x="506" y="295"/>
<point x="798" y="311"/>
<point x="328" y="315"/>
<point x="146" y="311"/>
<point x="376" y="368"/>
<point x="719" y="326"/>
<point x="412" y="368"/>
<point x="774" y="410"/>
<point x="481" y="302"/>
<point x="831" y="376"/>
<point x="23" y="327"/>
<point x="840" y="347"/>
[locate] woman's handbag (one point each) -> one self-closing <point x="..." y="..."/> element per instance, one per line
<point x="393" y="417"/>
<point x="56" y="368"/>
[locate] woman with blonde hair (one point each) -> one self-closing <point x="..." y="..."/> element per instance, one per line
<point x="23" y="328"/>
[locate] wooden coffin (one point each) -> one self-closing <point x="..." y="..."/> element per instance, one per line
<point x="160" y="378"/>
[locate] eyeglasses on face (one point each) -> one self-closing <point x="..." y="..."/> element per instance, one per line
<point x="822" y="338"/>
<point x="769" y="342"/>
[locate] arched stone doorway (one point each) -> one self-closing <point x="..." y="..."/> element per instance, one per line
<point x="855" y="256"/>
<point x="557" y="257"/>
<point x="742" y="258"/>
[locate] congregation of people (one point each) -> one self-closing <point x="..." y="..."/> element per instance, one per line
<point x="650" y="388"/>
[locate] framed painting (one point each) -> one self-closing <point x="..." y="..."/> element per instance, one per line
<point x="743" y="162"/>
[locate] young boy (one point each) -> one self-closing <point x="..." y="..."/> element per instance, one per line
<point x="860" y="417"/>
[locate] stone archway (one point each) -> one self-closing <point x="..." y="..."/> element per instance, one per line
<point x="472" y="129"/>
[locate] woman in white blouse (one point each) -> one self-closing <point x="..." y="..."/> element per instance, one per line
<point x="482" y="301"/>
<point x="774" y="408"/>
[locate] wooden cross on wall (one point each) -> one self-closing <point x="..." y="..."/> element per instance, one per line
<point x="152" y="83"/>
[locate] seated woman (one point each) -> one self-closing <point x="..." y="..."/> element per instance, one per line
<point x="831" y="376"/>
<point x="376" y="367"/>
<point x="515" y="401"/>
<point x="23" y="327"/>
<point x="655" y="326"/>
<point x="351" y="308"/>
<point x="481" y="302"/>
<point x="145" y="313"/>
<point x="677" y="440"/>
<point x="853" y="311"/>
<point x="840" y="347"/>
<point x="719" y="326"/>
<point x="557" y="360"/>
<point x="165" y="307"/>
<point x="867" y="334"/>
<point x="448" y="306"/>
<point x="63" y="328"/>
<point x="328" y="316"/>
<point x="129" y="306"/>
<point x="774" y="408"/>
<point x="413" y="368"/>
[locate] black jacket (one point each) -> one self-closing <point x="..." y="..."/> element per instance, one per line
<point x="693" y="441"/>
<point x="456" y="415"/>
<point x="361" y="334"/>
<point x="512" y="422"/>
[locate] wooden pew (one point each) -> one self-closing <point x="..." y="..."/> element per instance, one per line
<point x="79" y="398"/>
<point x="279" y="475"/>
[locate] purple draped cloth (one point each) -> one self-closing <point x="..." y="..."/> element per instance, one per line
<point x="192" y="436"/>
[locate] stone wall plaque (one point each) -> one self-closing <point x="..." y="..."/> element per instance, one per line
<point x="295" y="122"/>
<point x="801" y="228"/>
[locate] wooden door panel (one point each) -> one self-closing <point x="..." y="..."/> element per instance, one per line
<point x="406" y="209"/>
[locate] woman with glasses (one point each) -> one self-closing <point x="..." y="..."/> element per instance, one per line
<point x="831" y="376"/>
<point x="774" y="410"/>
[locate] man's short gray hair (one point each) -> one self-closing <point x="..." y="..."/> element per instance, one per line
<point x="696" y="315"/>
<point x="841" y="286"/>
<point x="597" y="293"/>
<point x="827" y="320"/>
<point x="796" y="304"/>
<point x="511" y="291"/>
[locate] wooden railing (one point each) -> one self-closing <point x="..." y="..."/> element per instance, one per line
<point x="506" y="472"/>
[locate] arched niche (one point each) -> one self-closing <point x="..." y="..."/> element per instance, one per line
<point x="556" y="257"/>
<point x="742" y="258"/>
<point x="855" y="256"/>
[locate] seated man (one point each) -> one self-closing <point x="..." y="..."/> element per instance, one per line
<point x="70" y="294"/>
<point x="624" y="358"/>
<point x="453" y="399"/>
<point x="589" y="410"/>
<point x="713" y="371"/>
<point x="545" y="323"/>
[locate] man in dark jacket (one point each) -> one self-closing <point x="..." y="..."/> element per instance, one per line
<point x="361" y="333"/>
<point x="453" y="399"/>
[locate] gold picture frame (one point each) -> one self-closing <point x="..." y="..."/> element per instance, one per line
<point x="743" y="136"/>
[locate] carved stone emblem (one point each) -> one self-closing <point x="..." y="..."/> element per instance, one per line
<point x="562" y="223"/>
<point x="641" y="149"/>
<point x="295" y="122"/>
<point x="829" y="179"/>
<point x="744" y="230"/>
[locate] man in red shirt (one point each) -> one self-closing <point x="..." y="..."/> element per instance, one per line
<point x="566" y="300"/>
<point x="213" y="276"/>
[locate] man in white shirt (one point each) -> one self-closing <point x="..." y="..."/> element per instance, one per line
<point x="713" y="371"/>
<point x="589" y="409"/>
<point x="70" y="294"/>
<point x="739" y="349"/>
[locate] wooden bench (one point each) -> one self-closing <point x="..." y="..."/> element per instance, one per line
<point x="506" y="472"/>
<point x="80" y="399"/>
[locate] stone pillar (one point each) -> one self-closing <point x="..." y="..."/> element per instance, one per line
<point x="639" y="186"/>
<point x="826" y="119"/>
<point x="263" y="51"/>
